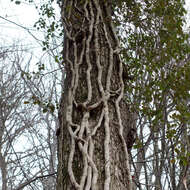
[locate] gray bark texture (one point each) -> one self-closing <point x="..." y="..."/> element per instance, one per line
<point x="94" y="118"/>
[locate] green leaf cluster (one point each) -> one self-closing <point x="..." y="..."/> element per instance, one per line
<point x="46" y="106"/>
<point x="156" y="53"/>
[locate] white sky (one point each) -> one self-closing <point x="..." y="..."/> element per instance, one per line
<point x="25" y="15"/>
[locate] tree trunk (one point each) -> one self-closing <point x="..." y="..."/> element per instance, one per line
<point x="94" y="119"/>
<point x="3" y="168"/>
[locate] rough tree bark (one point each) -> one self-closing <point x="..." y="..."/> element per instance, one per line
<point x="94" y="119"/>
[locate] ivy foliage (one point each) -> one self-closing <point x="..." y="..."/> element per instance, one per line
<point x="156" y="53"/>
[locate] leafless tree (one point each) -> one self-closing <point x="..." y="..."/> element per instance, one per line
<point x="28" y="142"/>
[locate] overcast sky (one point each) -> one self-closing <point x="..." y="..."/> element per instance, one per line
<point x="24" y="15"/>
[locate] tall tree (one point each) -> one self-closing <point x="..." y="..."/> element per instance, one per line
<point x="94" y="118"/>
<point x="154" y="48"/>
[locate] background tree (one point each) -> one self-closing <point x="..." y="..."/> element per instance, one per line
<point x="28" y="141"/>
<point x="156" y="53"/>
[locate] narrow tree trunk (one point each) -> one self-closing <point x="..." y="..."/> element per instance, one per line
<point x="94" y="119"/>
<point x="3" y="167"/>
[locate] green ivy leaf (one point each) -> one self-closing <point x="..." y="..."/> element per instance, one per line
<point x="17" y="2"/>
<point x="45" y="110"/>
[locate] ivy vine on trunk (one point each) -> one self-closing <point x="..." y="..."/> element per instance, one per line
<point x="94" y="119"/>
